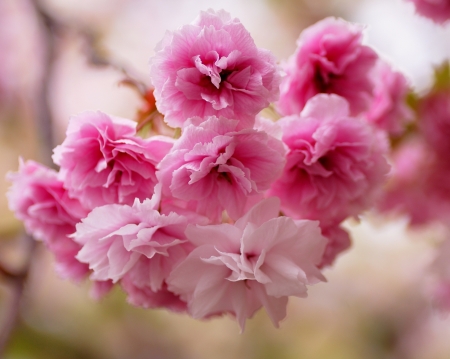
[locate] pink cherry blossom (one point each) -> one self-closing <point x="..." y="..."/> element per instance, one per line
<point x="436" y="10"/>
<point x="213" y="67"/>
<point x="143" y="296"/>
<point x="434" y="121"/>
<point x="419" y="186"/>
<point x="335" y="163"/>
<point x="338" y="241"/>
<point x="389" y="110"/>
<point x="330" y="58"/>
<point x="257" y="262"/>
<point x="100" y="288"/>
<point x="135" y="244"/>
<point x="102" y="161"/>
<point x="37" y="197"/>
<point x="221" y="168"/>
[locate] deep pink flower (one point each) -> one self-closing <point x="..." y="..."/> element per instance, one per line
<point x="219" y="167"/>
<point x="338" y="241"/>
<point x="100" y="288"/>
<point x="436" y="10"/>
<point x="434" y="121"/>
<point x="389" y="110"/>
<point x="134" y="243"/>
<point x="335" y="163"/>
<point x="103" y="161"/>
<point x="419" y="186"/>
<point x="259" y="261"/>
<point x="330" y="58"/>
<point x="213" y="67"/>
<point x="37" y="197"/>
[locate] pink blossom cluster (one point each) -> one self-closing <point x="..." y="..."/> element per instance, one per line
<point x="331" y="58"/>
<point x="238" y="212"/>
<point x="420" y="186"/>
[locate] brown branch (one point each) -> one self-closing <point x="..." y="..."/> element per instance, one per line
<point x="17" y="282"/>
<point x="43" y="113"/>
<point x="51" y="29"/>
<point x="44" y="124"/>
<point x="95" y="54"/>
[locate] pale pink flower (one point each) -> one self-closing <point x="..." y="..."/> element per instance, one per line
<point x="389" y="110"/>
<point x="103" y="161"/>
<point x="436" y="10"/>
<point x="213" y="67"/>
<point x="257" y="262"/>
<point x="335" y="163"/>
<point x="134" y="243"/>
<point x="37" y="197"/>
<point x="221" y="168"/>
<point x="143" y="296"/>
<point x="330" y="58"/>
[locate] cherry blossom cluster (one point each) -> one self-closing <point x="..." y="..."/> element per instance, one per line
<point x="235" y="211"/>
<point x="419" y="187"/>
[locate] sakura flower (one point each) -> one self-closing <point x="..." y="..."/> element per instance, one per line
<point x="434" y="120"/>
<point x="335" y="164"/>
<point x="257" y="262"/>
<point x="143" y="296"/>
<point x="436" y="10"/>
<point x="135" y="244"/>
<point x="102" y="161"/>
<point x="419" y="186"/>
<point x="330" y="58"/>
<point x="37" y="197"/>
<point x="213" y="67"/>
<point x="100" y="288"/>
<point x="221" y="168"/>
<point x="338" y="241"/>
<point x="389" y="110"/>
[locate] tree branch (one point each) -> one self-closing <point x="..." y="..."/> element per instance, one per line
<point x="17" y="283"/>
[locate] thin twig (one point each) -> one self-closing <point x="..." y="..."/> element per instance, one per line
<point x="17" y="282"/>
<point x="43" y="113"/>
<point x="43" y="118"/>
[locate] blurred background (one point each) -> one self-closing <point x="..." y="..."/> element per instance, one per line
<point x="74" y="54"/>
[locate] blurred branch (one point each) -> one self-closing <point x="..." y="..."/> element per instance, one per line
<point x="52" y="30"/>
<point x="44" y="122"/>
<point x="95" y="54"/>
<point x="43" y="113"/>
<point x="17" y="282"/>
